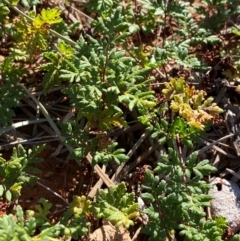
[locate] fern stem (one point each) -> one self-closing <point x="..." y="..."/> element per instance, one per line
<point x="161" y="216"/>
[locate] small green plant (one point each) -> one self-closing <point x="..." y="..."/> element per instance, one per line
<point x="24" y="228"/>
<point x="179" y="129"/>
<point x="117" y="206"/>
<point x="10" y="92"/>
<point x="213" y="13"/>
<point x="177" y="199"/>
<point x="75" y="219"/>
<point x="190" y="103"/>
<point x="14" y="173"/>
<point x="33" y="36"/>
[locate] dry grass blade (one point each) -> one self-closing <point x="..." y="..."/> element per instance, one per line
<point x="218" y="149"/>
<point x="211" y="145"/>
<point x="21" y="124"/>
<point x="136" y="162"/>
<point x="130" y="153"/>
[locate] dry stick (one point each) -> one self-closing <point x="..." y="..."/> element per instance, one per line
<point x="218" y="149"/>
<point x="217" y="158"/>
<point x="35" y="140"/>
<point x="77" y="10"/>
<point x="220" y="94"/>
<point x="130" y="153"/>
<point x="98" y="170"/>
<point x="49" y="189"/>
<point x="55" y="193"/>
<point x="226" y="145"/>
<point x="20" y="124"/>
<point x="131" y="166"/>
<point x="65" y="11"/>
<point x="43" y="126"/>
<point x="121" y="131"/>
<point x="37" y="93"/>
<point x="211" y="145"/>
<point x="85" y="15"/>
<point x="135" y="237"/>
<point x="66" y="118"/>
<point x="235" y="174"/>
<point x="97" y="186"/>
<point x="100" y="173"/>
<point x="37" y="116"/>
<point x="209" y="213"/>
<point x="157" y="153"/>
<point x="47" y="116"/>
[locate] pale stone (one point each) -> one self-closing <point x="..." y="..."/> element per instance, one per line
<point x="226" y="202"/>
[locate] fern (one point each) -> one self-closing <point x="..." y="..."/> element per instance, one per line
<point x="14" y="173"/>
<point x="183" y="191"/>
<point x="10" y="92"/>
<point x="19" y="228"/>
<point x="110" y="154"/>
<point x="116" y="206"/>
<point x="75" y="218"/>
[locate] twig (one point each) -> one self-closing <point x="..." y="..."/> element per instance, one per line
<point x="66" y="118"/>
<point x="130" y="153"/>
<point x="100" y="173"/>
<point x="68" y="14"/>
<point x="50" y="190"/>
<point x="97" y="186"/>
<point x="45" y="113"/>
<point x="20" y="124"/>
<point x="211" y="145"/>
<point x="133" y="164"/>
<point x="134" y="238"/>
<point x="218" y="149"/>
<point x="35" y="140"/>
<point x="82" y="13"/>
<point x="235" y="174"/>
<point x="43" y="126"/>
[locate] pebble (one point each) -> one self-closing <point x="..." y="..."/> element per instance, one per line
<point x="226" y="202"/>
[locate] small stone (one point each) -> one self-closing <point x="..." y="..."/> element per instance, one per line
<point x="226" y="202"/>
